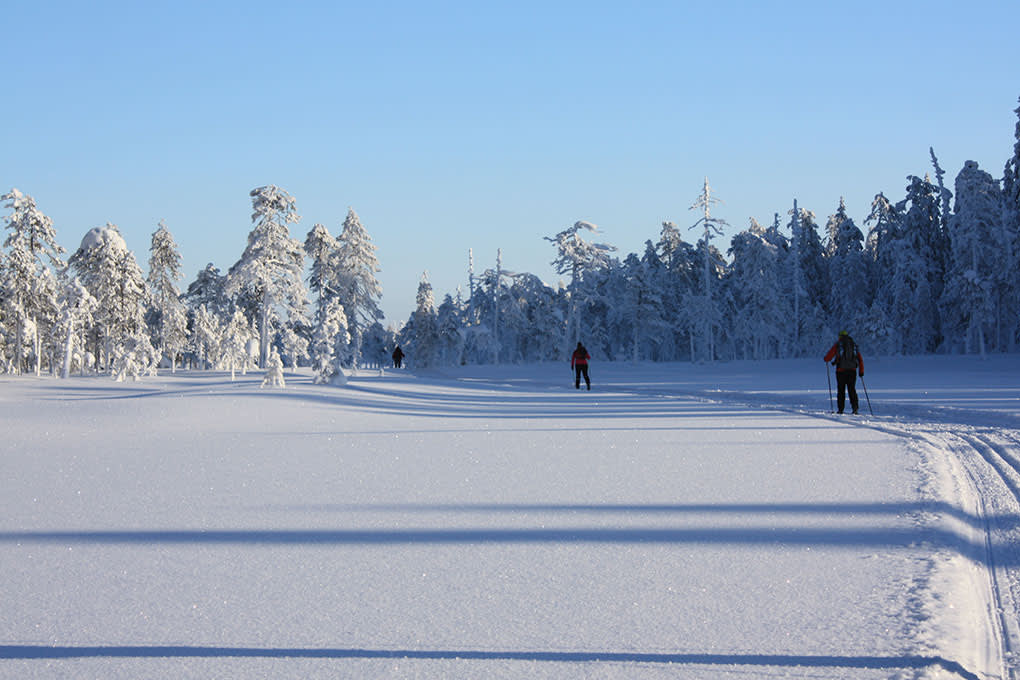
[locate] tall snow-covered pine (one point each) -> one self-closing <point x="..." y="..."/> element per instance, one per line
<point x="170" y="319"/>
<point x="360" y="292"/>
<point x="271" y="268"/>
<point x="26" y="276"/>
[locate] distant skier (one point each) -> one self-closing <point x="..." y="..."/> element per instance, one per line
<point x="579" y="362"/>
<point x="398" y="357"/>
<point x="849" y="363"/>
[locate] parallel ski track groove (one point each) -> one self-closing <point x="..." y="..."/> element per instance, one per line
<point x="1004" y="462"/>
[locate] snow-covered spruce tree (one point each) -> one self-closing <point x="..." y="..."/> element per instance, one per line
<point x="132" y="354"/>
<point x="884" y="226"/>
<point x="26" y="277"/>
<point x="683" y="277"/>
<point x="704" y="314"/>
<point x="701" y="316"/>
<point x="330" y="319"/>
<point x="1011" y="228"/>
<point x="680" y="258"/>
<point x="850" y="292"/>
<point x="420" y="336"/>
<point x="808" y="281"/>
<point x="109" y="270"/>
<point x="753" y="282"/>
<point x="923" y="229"/>
<point x="360" y="292"/>
<point x="670" y="245"/>
<point x="169" y="315"/>
<point x="663" y="346"/>
<point x="330" y="343"/>
<point x="610" y="333"/>
<point x="321" y="247"/>
<point x="902" y="319"/>
<point x="881" y="247"/>
<point x="270" y="269"/>
<point x="973" y="301"/>
<point x="837" y="230"/>
<point x="578" y="257"/>
<point x="669" y="242"/>
<point x="644" y="302"/>
<point x="450" y="327"/>
<point x="911" y="310"/>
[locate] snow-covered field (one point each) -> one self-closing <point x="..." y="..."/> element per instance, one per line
<point x="677" y="521"/>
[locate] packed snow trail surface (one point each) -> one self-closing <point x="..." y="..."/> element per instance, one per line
<point x="677" y="521"/>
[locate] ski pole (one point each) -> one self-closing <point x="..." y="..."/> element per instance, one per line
<point x="828" y="379"/>
<point x="866" y="395"/>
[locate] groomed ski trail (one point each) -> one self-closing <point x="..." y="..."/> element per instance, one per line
<point x="985" y="462"/>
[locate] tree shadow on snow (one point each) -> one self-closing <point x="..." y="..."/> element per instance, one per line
<point x="846" y="510"/>
<point x="862" y="662"/>
<point x="783" y="537"/>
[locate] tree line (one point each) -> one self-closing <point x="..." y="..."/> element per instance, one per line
<point x="937" y="272"/>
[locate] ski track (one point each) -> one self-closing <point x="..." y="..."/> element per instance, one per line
<point x="990" y="458"/>
<point x="1001" y="454"/>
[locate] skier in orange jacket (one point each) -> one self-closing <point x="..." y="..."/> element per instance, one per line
<point x="579" y="363"/>
<point x="849" y="363"/>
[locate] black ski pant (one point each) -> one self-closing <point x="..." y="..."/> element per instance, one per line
<point x="846" y="381"/>
<point x="579" y="370"/>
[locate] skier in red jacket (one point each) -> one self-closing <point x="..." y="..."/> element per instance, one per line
<point x="848" y="361"/>
<point x="579" y="362"/>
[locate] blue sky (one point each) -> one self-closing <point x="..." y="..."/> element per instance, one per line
<point x="456" y="125"/>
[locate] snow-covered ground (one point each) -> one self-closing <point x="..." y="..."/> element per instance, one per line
<point x="677" y="521"/>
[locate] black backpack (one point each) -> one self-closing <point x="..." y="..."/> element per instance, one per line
<point x="846" y="354"/>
